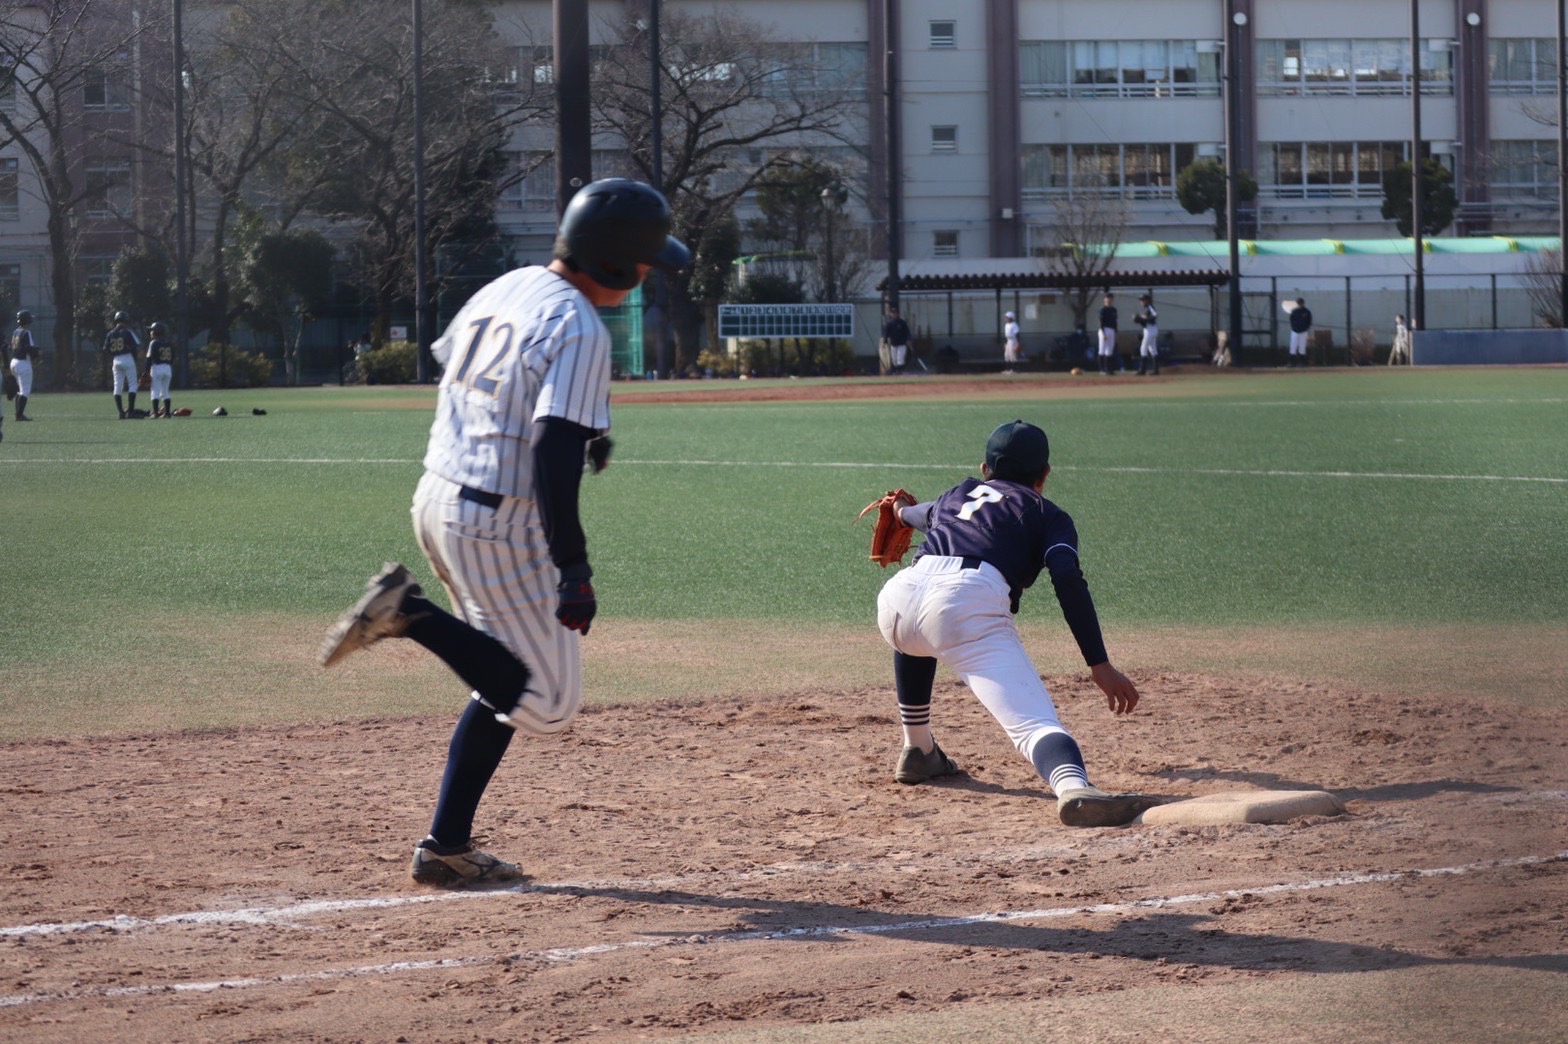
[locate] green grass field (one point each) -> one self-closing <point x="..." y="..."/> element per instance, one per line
<point x="1388" y="528"/>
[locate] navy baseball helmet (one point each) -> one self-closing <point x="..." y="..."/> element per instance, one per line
<point x="24" y="317"/>
<point x="1019" y="451"/>
<point x="122" y="317"/>
<point x="158" y="329"/>
<point x="612" y="226"/>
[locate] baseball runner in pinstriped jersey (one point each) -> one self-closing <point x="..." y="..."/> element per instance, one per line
<point x="524" y="401"/>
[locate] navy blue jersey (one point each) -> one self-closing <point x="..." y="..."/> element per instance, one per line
<point x="1300" y="319"/>
<point x="160" y="350"/>
<point x="22" y="346"/>
<point x="1108" y="317"/>
<point x="120" y="340"/>
<point x="1013" y="528"/>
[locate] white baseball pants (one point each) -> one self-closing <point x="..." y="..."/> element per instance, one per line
<point x="124" y="373"/>
<point x="1298" y="342"/>
<point x="496" y="569"/>
<point x="1149" y="347"/>
<point x="22" y="370"/>
<point x="938" y="608"/>
<point x="162" y="376"/>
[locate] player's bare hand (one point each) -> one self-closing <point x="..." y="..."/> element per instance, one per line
<point x="1121" y="695"/>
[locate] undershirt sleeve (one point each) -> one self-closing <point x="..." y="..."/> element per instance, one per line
<point x="1072" y="593"/>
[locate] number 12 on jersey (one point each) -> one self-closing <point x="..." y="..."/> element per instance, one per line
<point x="485" y="380"/>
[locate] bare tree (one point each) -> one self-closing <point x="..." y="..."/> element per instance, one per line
<point x="734" y="101"/>
<point x="63" y="57"/>
<point x="1087" y="230"/>
<point x="1543" y="282"/>
<point x="349" y="80"/>
<point x="805" y="210"/>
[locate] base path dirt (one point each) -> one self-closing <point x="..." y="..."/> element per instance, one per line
<point x="729" y="866"/>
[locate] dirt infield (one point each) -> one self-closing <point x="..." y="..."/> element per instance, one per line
<point x="751" y="867"/>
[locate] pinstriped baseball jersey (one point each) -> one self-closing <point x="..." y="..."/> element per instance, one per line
<point x="527" y="346"/>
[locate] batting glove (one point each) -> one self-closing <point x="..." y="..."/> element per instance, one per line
<point x="577" y="604"/>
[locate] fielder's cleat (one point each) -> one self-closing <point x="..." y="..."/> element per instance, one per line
<point x="916" y="766"/>
<point x="379" y="614"/>
<point x="1093" y="807"/>
<point x="461" y="869"/>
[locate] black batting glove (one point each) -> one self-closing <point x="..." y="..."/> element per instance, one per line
<point x="577" y="604"/>
<point x="599" y="449"/>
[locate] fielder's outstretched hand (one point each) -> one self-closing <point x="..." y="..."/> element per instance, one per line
<point x="1121" y="695"/>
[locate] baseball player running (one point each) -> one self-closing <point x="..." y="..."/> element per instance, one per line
<point x="160" y="366"/>
<point x="524" y="401"/>
<point x="23" y="351"/>
<point x="986" y="541"/>
<point x="120" y="345"/>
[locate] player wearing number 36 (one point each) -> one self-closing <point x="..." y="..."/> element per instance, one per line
<point x="523" y="408"/>
<point x="986" y="542"/>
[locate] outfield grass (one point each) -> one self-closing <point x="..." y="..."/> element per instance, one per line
<point x="177" y="572"/>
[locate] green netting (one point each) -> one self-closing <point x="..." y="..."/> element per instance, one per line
<point x="625" y="323"/>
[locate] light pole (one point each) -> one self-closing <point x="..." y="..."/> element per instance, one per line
<point x="834" y="196"/>
<point x="1418" y="308"/>
<point x="1236" y="21"/>
<point x="422" y="332"/>
<point x="182" y="262"/>
<point x="1562" y="159"/>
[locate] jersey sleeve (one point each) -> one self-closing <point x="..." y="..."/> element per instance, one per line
<point x="576" y="382"/>
<point x="1072" y="590"/>
<point x="918" y="516"/>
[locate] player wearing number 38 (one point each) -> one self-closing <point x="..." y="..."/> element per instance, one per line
<point x="523" y="408"/>
<point x="986" y="542"/>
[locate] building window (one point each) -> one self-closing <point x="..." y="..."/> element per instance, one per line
<point x="1327" y="169"/>
<point x="97" y="269"/>
<point x="944" y="34"/>
<point x="1129" y="171"/>
<point x="106" y="87"/>
<point x="10" y="290"/>
<point x="1522" y="65"/>
<point x="944" y="138"/>
<point x="801" y="68"/>
<point x="531" y="181"/>
<point x="1118" y="69"/>
<point x="944" y="244"/>
<point x="10" y="207"/>
<point x="107" y="191"/>
<point x="1350" y="67"/>
<point x="1524" y="169"/>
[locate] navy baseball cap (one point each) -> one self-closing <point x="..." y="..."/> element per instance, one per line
<point x="1018" y="449"/>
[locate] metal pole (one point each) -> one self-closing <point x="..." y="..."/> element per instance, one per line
<point x="573" y="137"/>
<point x="182" y="263"/>
<point x="895" y="157"/>
<point x="422" y="333"/>
<point x="661" y="294"/>
<point x="1234" y="20"/>
<point x="1418" y="315"/>
<point x="1562" y="158"/>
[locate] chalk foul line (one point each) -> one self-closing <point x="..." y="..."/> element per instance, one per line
<point x="571" y="953"/>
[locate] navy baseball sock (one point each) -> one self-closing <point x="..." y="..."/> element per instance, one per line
<point x="913" y="677"/>
<point x="476" y="748"/>
<point x="119" y="404"/>
<point x="1060" y="763"/>
<point x="484" y="664"/>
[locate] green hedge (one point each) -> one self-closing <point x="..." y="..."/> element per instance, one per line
<point x="396" y="362"/>
<point x="218" y="365"/>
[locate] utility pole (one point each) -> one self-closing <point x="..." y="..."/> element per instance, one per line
<point x="1234" y="21"/>
<point x="895" y="164"/>
<point x="182" y="261"/>
<point x="1562" y="159"/>
<point x="1417" y="186"/>
<point x="422" y="332"/>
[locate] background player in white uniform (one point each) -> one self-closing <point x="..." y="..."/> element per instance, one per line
<point x="986" y="543"/>
<point x="1107" y="333"/>
<point x="160" y="366"/>
<point x="120" y="345"/>
<point x="1149" y="347"/>
<point x="23" y="351"/>
<point x="524" y="400"/>
<point x="1012" y="347"/>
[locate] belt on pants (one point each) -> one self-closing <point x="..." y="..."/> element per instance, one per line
<point x="972" y="562"/>
<point x="481" y="497"/>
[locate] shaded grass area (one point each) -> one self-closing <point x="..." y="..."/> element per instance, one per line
<point x="150" y="565"/>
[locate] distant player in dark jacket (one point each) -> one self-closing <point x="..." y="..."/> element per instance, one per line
<point x="987" y="540"/>
<point x="23" y="351"/>
<point x="1300" y="332"/>
<point x="120" y="345"/>
<point x="160" y="365"/>
<point x="1107" y="333"/>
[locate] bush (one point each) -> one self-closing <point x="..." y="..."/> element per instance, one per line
<point x="218" y="365"/>
<point x="778" y="357"/>
<point x="396" y="362"/>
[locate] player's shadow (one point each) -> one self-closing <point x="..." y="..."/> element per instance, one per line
<point x="1383" y="792"/>
<point x="1161" y="937"/>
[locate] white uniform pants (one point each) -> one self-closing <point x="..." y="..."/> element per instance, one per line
<point x="1012" y="352"/>
<point x="22" y="370"/>
<point x="938" y="608"/>
<point x="1298" y="342"/>
<point x="497" y="571"/>
<point x="124" y="373"/>
<point x="1107" y="341"/>
<point x="1149" y="347"/>
<point x="162" y="375"/>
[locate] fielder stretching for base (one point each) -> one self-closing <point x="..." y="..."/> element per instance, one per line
<point x="985" y="544"/>
<point x="524" y="402"/>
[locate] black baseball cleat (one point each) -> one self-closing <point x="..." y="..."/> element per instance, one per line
<point x="916" y="766"/>
<point x="1093" y="807"/>
<point x="466" y="867"/>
